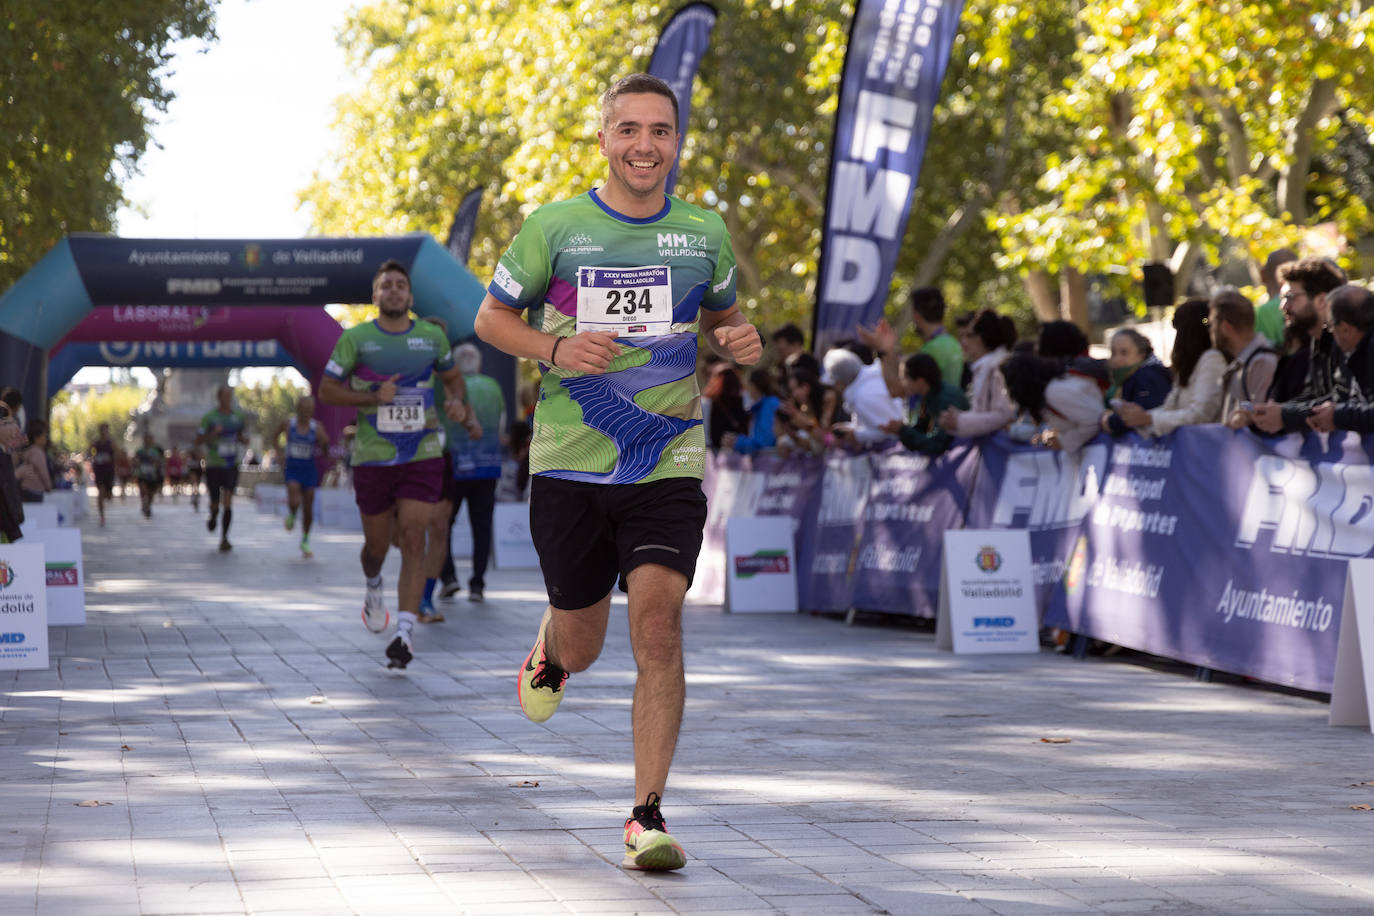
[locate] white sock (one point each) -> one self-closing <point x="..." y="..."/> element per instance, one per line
<point x="405" y="622"/>
<point x="374" y="582"/>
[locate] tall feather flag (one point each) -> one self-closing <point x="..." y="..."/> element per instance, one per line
<point x="675" y="60"/>
<point x="893" y="67"/>
<point x="464" y="224"/>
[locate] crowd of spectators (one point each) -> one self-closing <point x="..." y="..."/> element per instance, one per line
<point x="1300" y="360"/>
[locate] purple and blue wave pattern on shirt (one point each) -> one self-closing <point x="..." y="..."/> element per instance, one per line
<point x="608" y="406"/>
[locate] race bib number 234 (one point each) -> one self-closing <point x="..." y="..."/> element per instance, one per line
<point x="632" y="301"/>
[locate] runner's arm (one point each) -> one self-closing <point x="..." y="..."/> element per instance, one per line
<point x="505" y="329"/>
<point x="721" y="330"/>
<point x="333" y="391"/>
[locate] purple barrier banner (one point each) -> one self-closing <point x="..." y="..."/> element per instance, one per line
<point x="720" y="482"/>
<point x="1046" y="492"/>
<point x="1241" y="571"/>
<point x="759" y="485"/>
<point x="912" y="501"/>
<point x="826" y="584"/>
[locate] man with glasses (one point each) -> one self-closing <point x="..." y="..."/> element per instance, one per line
<point x="1305" y="284"/>
<point x="1351" y="322"/>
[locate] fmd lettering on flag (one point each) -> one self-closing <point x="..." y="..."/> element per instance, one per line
<point x="676" y="59"/>
<point x="898" y="50"/>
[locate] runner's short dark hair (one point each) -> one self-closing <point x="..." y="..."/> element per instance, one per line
<point x="389" y="265"/>
<point x="636" y="83"/>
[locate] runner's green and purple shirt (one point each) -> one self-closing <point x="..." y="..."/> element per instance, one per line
<point x="586" y="266"/>
<point x="407" y="429"/>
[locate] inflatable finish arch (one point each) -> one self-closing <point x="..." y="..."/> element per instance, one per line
<point x="84" y="272"/>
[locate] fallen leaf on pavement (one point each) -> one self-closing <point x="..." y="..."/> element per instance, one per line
<point x="92" y="804"/>
<point x="1055" y="740"/>
<point x="525" y="784"/>
<point x="1361" y="808"/>
<point x="125" y="747"/>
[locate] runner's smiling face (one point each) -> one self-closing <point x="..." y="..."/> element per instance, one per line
<point x="639" y="141"/>
<point x="391" y="294"/>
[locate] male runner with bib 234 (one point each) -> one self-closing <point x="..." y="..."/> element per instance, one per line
<point x="387" y="368"/>
<point x="624" y="277"/>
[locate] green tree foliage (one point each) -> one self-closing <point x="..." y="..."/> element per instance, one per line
<point x="76" y="416"/>
<point x="504" y="96"/>
<point x="268" y="405"/>
<point x="989" y="139"/>
<point x="79" y="82"/>
<point x="1201" y="129"/>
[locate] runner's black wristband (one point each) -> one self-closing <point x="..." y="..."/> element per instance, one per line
<point x="554" y="352"/>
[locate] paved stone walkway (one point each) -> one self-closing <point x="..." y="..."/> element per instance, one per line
<point x="250" y="753"/>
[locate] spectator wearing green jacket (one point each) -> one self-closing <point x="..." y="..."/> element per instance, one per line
<point x="922" y="378"/>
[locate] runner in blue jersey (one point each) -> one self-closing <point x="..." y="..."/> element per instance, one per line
<point x="306" y="440"/>
<point x="624" y="277"/>
<point x="388" y="369"/>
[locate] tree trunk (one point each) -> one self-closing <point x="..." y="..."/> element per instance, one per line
<point x="1292" y="191"/>
<point x="1184" y="264"/>
<point x="1043" y="296"/>
<point x="1073" y="298"/>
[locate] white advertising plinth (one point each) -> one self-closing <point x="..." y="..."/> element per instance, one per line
<point x="510" y="535"/>
<point x="987" y="594"/>
<point x="1352" y="689"/>
<point x="65" y="574"/>
<point x="23" y="607"/>
<point x="39" y="515"/>
<point x="761" y="567"/>
<point x="70" y="505"/>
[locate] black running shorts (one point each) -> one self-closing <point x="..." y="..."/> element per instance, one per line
<point x="221" y="478"/>
<point x="588" y="535"/>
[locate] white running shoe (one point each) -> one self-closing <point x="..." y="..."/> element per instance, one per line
<point x="375" y="615"/>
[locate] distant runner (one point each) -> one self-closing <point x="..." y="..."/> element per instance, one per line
<point x="222" y="431"/>
<point x="306" y="440"/>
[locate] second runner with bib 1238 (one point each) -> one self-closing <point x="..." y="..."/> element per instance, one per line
<point x="405" y="413"/>
<point x="631" y="301"/>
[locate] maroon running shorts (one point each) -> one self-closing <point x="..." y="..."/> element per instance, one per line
<point x="377" y="487"/>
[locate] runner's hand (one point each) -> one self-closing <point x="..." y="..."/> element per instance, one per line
<point x="743" y="342"/>
<point x="590" y="352"/>
<point x="457" y="411"/>
<point x="386" y="391"/>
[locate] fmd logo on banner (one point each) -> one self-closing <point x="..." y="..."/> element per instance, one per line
<point x="23" y="607"/>
<point x="987" y="593"/>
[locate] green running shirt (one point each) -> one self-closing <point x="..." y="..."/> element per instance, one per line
<point x="641" y="420"/>
<point x="407" y="429"/>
